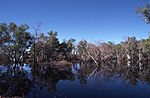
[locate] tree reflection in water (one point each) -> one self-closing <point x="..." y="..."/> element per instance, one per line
<point x="16" y="85"/>
<point x="44" y="78"/>
<point x="106" y="72"/>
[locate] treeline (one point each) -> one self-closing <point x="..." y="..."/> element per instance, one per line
<point x="18" y="45"/>
<point x="131" y="52"/>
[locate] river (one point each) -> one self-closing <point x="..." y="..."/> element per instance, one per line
<point x="76" y="81"/>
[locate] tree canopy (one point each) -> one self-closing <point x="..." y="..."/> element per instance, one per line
<point x="15" y="41"/>
<point x="144" y="12"/>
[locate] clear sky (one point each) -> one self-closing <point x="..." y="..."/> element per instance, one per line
<point x="93" y="20"/>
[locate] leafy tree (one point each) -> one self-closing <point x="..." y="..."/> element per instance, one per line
<point x="15" y="41"/>
<point x="52" y="45"/>
<point x="82" y="49"/>
<point x="144" y="12"/>
<point x="146" y="47"/>
<point x="145" y="44"/>
<point x="38" y="50"/>
<point x="70" y="47"/>
<point x="62" y="51"/>
<point x="131" y="50"/>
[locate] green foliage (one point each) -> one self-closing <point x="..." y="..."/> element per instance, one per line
<point x="48" y="48"/>
<point x="52" y="41"/>
<point x="146" y="46"/>
<point x="131" y="46"/>
<point x="82" y="51"/>
<point x="82" y="47"/>
<point x="15" y="41"/>
<point x="52" y="45"/>
<point x="17" y="45"/>
<point x="144" y="12"/>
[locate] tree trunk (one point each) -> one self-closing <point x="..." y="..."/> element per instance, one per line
<point x="140" y="59"/>
<point x="93" y="59"/>
<point x="128" y="60"/>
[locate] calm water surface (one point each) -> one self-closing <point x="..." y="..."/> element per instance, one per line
<point x="76" y="81"/>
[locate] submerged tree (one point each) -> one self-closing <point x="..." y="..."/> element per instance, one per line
<point x="15" y="43"/>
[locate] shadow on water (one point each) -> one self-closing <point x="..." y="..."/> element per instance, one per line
<point x="79" y="80"/>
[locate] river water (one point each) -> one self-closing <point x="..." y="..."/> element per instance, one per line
<point x="76" y="81"/>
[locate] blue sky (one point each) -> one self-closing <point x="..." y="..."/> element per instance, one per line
<point x="93" y="20"/>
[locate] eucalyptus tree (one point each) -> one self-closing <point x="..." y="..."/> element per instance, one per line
<point x="147" y="47"/>
<point x="131" y="50"/>
<point x="62" y="49"/>
<point x="110" y="50"/>
<point x="144" y="12"/>
<point x="70" y="47"/>
<point x="111" y="47"/>
<point x="51" y="46"/>
<point x="93" y="52"/>
<point x="81" y="49"/>
<point x="38" y="50"/>
<point x="5" y="40"/>
<point x="65" y="49"/>
<point x="15" y="41"/>
<point x="144" y="54"/>
<point x="120" y="53"/>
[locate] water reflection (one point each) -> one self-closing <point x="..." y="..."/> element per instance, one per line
<point x="104" y="73"/>
<point x="47" y="80"/>
<point x="16" y="85"/>
<point x="46" y="77"/>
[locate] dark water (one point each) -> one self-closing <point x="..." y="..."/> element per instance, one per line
<point x="76" y="81"/>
